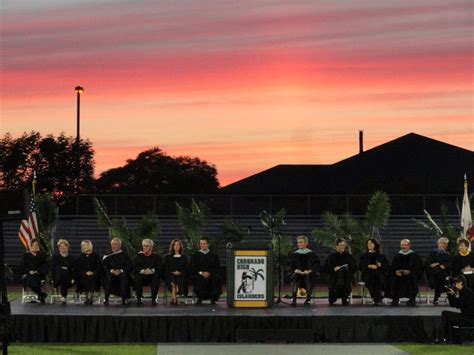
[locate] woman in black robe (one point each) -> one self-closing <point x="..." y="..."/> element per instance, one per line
<point x="374" y="269"/>
<point x="463" y="262"/>
<point x="88" y="271"/>
<point x="62" y="268"/>
<point x="35" y="269"/>
<point x="176" y="271"/>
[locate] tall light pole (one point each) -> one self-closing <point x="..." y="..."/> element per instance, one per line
<point x="78" y="90"/>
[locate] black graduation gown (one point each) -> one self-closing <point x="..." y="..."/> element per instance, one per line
<point x="436" y="276"/>
<point x="206" y="288"/>
<point x="84" y="263"/>
<point x="117" y="285"/>
<point x="340" y="282"/>
<point x="180" y="264"/>
<point x="39" y="263"/>
<point x="465" y="302"/>
<point x="374" y="279"/>
<point x="63" y="278"/>
<point x="460" y="262"/>
<point x="406" y="285"/>
<point x="142" y="262"/>
<point x="308" y="261"/>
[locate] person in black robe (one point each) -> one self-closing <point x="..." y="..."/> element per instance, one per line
<point x="465" y="302"/>
<point x="117" y="269"/>
<point x="340" y="266"/>
<point x="438" y="267"/>
<point x="205" y="268"/>
<point x="147" y="271"/>
<point x="463" y="262"/>
<point x="88" y="272"/>
<point x="374" y="268"/>
<point x="405" y="272"/>
<point x="176" y="271"/>
<point x="62" y="269"/>
<point x="304" y="269"/>
<point x="35" y="268"/>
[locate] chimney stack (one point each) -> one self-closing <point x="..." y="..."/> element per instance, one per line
<point x="361" y="141"/>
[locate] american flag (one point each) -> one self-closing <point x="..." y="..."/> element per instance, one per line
<point x="29" y="227"/>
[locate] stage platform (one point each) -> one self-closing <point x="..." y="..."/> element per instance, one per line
<point x="217" y="323"/>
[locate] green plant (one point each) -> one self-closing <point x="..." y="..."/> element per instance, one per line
<point x="147" y="228"/>
<point x="444" y="229"/>
<point x="192" y="221"/>
<point x="378" y="212"/>
<point x="232" y="231"/>
<point x="47" y="216"/>
<point x="345" y="226"/>
<point x="280" y="242"/>
<point x="355" y="231"/>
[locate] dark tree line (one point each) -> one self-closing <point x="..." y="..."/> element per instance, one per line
<point x="155" y="172"/>
<point x="54" y="159"/>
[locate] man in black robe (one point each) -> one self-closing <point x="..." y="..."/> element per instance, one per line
<point x="304" y="269"/>
<point x="438" y="267"/>
<point x="205" y="268"/>
<point x="405" y="272"/>
<point x="146" y="271"/>
<point x="117" y="269"/>
<point x="340" y="266"/>
<point x="465" y="302"/>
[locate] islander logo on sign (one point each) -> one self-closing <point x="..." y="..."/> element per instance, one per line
<point x="250" y="278"/>
<point x="247" y="284"/>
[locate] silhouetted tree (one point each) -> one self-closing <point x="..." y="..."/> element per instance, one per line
<point x="155" y="172"/>
<point x="53" y="158"/>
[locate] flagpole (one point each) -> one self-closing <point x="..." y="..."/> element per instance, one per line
<point x="33" y="184"/>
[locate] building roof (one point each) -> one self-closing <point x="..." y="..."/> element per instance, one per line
<point x="409" y="164"/>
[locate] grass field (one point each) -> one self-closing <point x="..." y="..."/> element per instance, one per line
<point x="145" y="349"/>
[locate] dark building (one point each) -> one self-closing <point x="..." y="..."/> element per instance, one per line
<point x="411" y="164"/>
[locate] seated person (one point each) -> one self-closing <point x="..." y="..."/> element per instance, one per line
<point x="176" y="271"/>
<point x="88" y="271"/>
<point x="465" y="302"/>
<point x="340" y="266"/>
<point x="205" y="268"/>
<point x="35" y="268"/>
<point x="146" y="271"/>
<point x="117" y="269"/>
<point x="304" y="269"/>
<point x="405" y="271"/>
<point x="374" y="268"/>
<point x="438" y="267"/>
<point x="463" y="262"/>
<point x="62" y="269"/>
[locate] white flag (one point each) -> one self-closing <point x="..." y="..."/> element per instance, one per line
<point x="466" y="217"/>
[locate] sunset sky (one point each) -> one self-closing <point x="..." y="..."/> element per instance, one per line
<point x="242" y="84"/>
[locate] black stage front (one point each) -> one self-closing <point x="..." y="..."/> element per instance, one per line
<point x="206" y="323"/>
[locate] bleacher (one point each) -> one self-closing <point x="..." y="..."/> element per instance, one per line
<point x="77" y="229"/>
